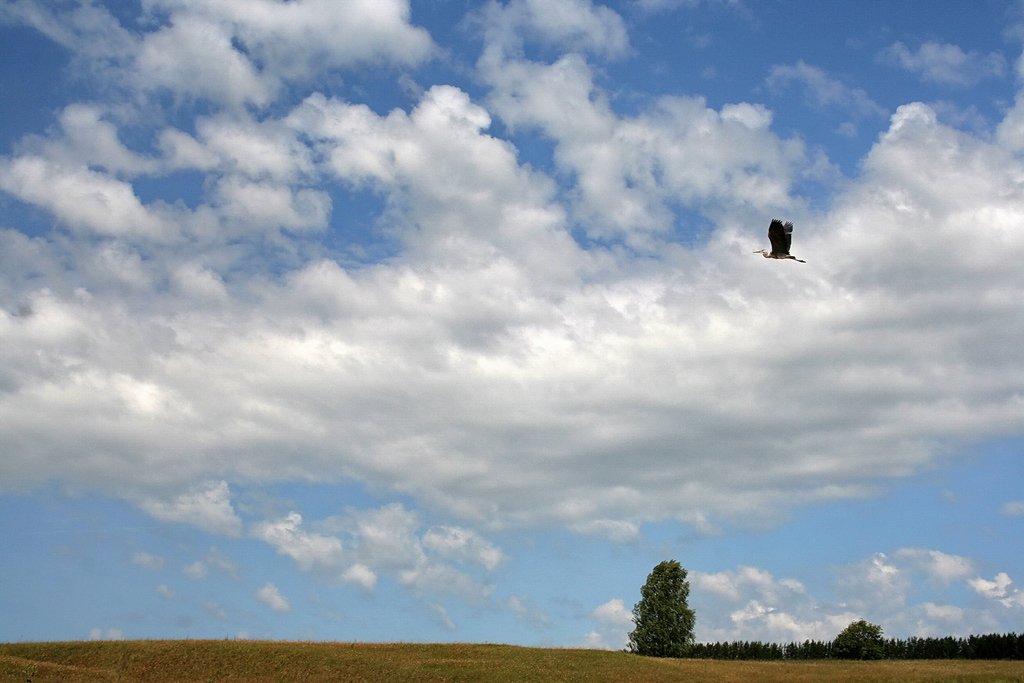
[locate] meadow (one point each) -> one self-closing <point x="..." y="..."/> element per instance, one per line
<point x="235" y="660"/>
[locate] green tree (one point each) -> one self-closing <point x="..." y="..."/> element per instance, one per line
<point x="859" y="640"/>
<point x="664" y="622"/>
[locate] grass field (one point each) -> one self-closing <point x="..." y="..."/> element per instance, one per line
<point x="233" y="660"/>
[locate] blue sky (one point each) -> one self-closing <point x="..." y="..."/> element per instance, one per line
<point x="439" y="321"/>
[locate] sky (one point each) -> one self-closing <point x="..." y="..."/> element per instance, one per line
<point x="438" y="320"/>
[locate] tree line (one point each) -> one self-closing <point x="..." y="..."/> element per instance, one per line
<point x="989" y="646"/>
<point x="665" y="623"/>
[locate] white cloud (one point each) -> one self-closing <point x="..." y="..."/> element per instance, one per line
<point x="614" y="613"/>
<point x="463" y="544"/>
<point x="81" y="198"/>
<point x="200" y="569"/>
<point x="215" y="610"/>
<point x="616" y="530"/>
<point x="882" y="577"/>
<point x="595" y="640"/>
<point x="824" y="90"/>
<point x="1012" y="508"/>
<point x="493" y="359"/>
<point x="945" y="63"/>
<point x="526" y="357"/>
<point x="386" y="537"/>
<point x="387" y="541"/>
<point x="439" y="578"/>
<point x="778" y="625"/>
<point x="748" y="603"/>
<point x="230" y="52"/>
<point x="106" y="634"/>
<point x="195" y="57"/>
<point x="1010" y="131"/>
<point x="296" y="40"/>
<point x="267" y="206"/>
<point x="259" y="150"/>
<point x="362" y="576"/>
<point x="85" y="28"/>
<point x="89" y="139"/>
<point x="614" y="622"/>
<point x="572" y="25"/>
<point x="997" y="588"/>
<point x="196" y="571"/>
<point x="734" y="585"/>
<point x="270" y="596"/>
<point x="149" y="561"/>
<point x="207" y="506"/>
<point x="937" y="565"/>
<point x="944" y="613"/>
<point x="309" y="550"/>
<point x="443" y="617"/>
<point x="631" y="170"/>
<point x="523" y="611"/>
<point x="166" y="591"/>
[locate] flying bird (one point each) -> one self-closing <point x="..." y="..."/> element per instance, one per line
<point x="781" y="236"/>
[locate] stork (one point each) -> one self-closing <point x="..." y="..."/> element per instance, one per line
<point x="781" y="235"/>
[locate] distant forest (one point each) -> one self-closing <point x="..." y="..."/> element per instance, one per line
<point x="992" y="646"/>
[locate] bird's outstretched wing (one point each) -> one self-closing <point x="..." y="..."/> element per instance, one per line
<point x="778" y="237"/>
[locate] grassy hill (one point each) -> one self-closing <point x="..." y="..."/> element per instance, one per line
<point x="232" y="660"/>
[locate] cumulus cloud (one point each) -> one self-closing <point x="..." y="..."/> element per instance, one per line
<point x="878" y="578"/>
<point x="613" y="612"/>
<point x="944" y="63"/>
<point x="515" y="356"/>
<point x="361" y="575"/>
<point x="463" y="544"/>
<point x="613" y="623"/>
<point x="361" y="545"/>
<point x="824" y="90"/>
<point x="270" y="596"/>
<point x="230" y="53"/>
<point x="527" y="327"/>
<point x="106" y="634"/>
<point x="194" y="57"/>
<point x="207" y="506"/>
<point x="938" y="565"/>
<point x="389" y="540"/>
<point x="749" y="602"/>
<point x="147" y="560"/>
<point x="84" y="199"/>
<point x="441" y="613"/>
<point x="911" y="591"/>
<point x="296" y="40"/>
<point x="197" y="571"/>
<point x="999" y="590"/>
<point x="1012" y="508"/>
<point x="996" y="588"/>
<point x="632" y="170"/>
<point x="84" y="28"/>
<point x="620" y="531"/>
<point x="570" y="25"/>
<point x="200" y="569"/>
<point x="734" y="584"/>
<point x="310" y="550"/>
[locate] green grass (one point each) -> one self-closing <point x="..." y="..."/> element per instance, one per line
<point x="233" y="660"/>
